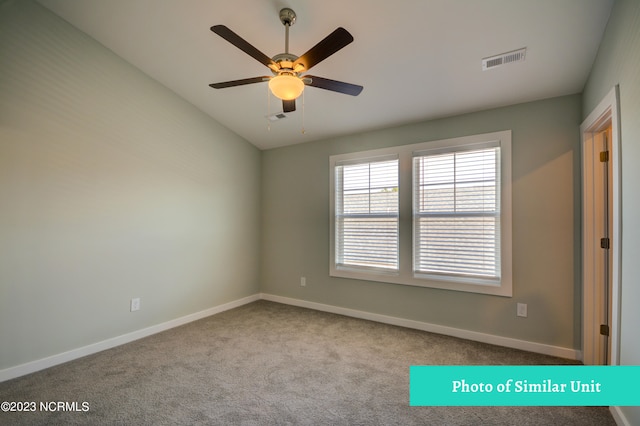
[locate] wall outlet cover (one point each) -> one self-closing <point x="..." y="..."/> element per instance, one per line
<point x="135" y="304"/>
<point x="521" y="310"/>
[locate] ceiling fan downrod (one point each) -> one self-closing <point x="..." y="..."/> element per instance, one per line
<point x="288" y="18"/>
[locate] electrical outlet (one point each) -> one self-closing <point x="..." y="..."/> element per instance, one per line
<point x="303" y="281"/>
<point x="135" y="304"/>
<point x="522" y="310"/>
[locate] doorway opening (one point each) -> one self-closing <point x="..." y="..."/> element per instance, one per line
<point x="601" y="233"/>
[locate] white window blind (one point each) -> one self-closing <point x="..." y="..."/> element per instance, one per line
<point x="366" y="214"/>
<point x="457" y="213"/>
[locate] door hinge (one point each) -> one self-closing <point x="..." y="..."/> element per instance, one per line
<point x="604" y="156"/>
<point x="604" y="329"/>
<point x="604" y="243"/>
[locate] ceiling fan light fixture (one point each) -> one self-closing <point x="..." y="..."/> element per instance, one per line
<point x="286" y="87"/>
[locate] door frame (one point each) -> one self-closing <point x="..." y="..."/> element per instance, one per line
<point x="607" y="110"/>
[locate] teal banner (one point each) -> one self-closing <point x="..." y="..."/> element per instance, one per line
<point x="567" y="385"/>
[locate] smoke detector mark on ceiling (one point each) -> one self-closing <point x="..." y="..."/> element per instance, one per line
<point x="503" y="59"/>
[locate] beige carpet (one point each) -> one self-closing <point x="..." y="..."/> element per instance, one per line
<point x="272" y="364"/>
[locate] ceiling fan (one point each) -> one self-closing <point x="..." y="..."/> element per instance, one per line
<point x="287" y="82"/>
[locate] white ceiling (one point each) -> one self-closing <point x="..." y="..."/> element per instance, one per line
<point x="417" y="59"/>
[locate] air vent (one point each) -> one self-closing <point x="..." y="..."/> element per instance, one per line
<point x="276" y="116"/>
<point x="503" y="59"/>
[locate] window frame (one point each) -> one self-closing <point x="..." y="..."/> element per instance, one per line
<point x="405" y="274"/>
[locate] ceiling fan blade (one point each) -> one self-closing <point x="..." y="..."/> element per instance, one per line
<point x="333" y="85"/>
<point x="289" y="106"/>
<point x="327" y="47"/>
<point x="243" y="45"/>
<point x="241" y="82"/>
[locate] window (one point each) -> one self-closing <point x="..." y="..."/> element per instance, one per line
<point x="366" y="214"/>
<point x="435" y="214"/>
<point x="457" y="213"/>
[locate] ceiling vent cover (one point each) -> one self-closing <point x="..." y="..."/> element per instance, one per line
<point x="503" y="59"/>
<point x="276" y="116"/>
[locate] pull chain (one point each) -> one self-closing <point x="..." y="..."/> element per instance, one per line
<point x="268" y="110"/>
<point x="303" y="129"/>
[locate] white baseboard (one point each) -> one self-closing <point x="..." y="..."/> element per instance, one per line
<point x="619" y="417"/>
<point x="41" y="364"/>
<point x="433" y="328"/>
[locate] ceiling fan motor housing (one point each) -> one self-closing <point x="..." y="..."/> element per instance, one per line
<point x="285" y="63"/>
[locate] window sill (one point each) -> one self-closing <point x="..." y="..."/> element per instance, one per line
<point x="471" y="285"/>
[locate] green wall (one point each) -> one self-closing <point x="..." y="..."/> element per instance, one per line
<point x="546" y="232"/>
<point x="111" y="187"/>
<point x="618" y="62"/>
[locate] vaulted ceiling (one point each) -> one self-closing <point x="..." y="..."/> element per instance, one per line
<point x="417" y="59"/>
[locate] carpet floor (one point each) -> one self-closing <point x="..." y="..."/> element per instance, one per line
<point x="271" y="364"/>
